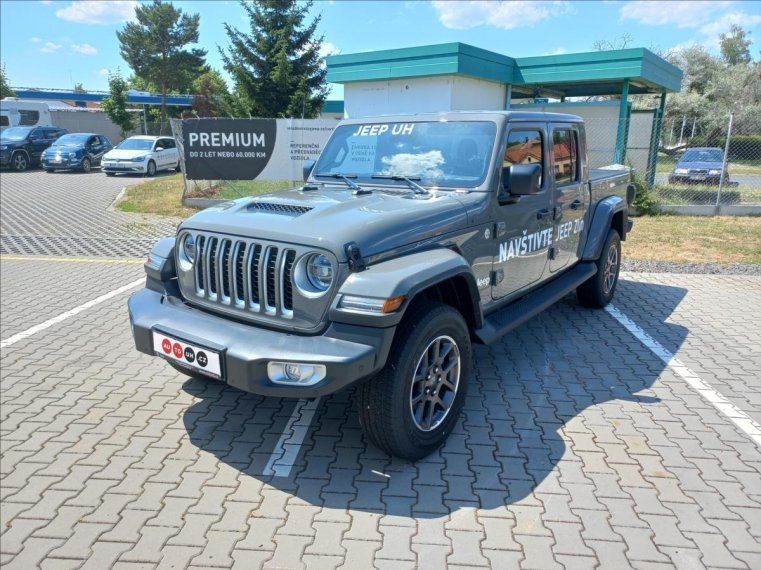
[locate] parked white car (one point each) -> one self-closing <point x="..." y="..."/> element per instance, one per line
<point x="142" y="155"/>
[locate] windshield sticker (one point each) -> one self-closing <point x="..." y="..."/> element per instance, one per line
<point x="526" y="244"/>
<point x="397" y="129"/>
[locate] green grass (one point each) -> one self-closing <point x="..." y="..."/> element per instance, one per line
<point x="695" y="239"/>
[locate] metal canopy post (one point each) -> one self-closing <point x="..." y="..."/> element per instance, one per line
<point x="508" y="96"/>
<point x="655" y="141"/>
<point x="622" y="114"/>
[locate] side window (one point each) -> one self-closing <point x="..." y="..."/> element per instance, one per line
<point x="28" y="118"/>
<point x="524" y="147"/>
<point x="36" y="134"/>
<point x="95" y="141"/>
<point x="4" y="121"/>
<point x="167" y="143"/>
<point x="566" y="150"/>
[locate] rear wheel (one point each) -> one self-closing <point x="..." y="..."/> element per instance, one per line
<point x="411" y="406"/>
<point x="19" y="162"/>
<point x="600" y="288"/>
<point x="86" y="165"/>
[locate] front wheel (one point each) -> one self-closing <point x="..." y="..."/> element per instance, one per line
<point x="598" y="290"/>
<point x="411" y="406"/>
<point x="151" y="170"/>
<point x="86" y="165"/>
<point x="19" y="162"/>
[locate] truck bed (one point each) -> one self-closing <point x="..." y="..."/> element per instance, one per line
<point x="608" y="181"/>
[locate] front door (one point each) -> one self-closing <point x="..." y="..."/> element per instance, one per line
<point x="523" y="230"/>
<point x="569" y="198"/>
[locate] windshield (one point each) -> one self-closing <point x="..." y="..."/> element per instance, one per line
<point x="71" y="140"/>
<point x="135" y="144"/>
<point x="703" y="155"/>
<point x="16" y="133"/>
<point x="435" y="153"/>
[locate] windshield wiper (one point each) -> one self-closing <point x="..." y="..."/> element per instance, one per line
<point x="345" y="177"/>
<point x="417" y="188"/>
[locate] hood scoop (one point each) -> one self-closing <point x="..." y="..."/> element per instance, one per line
<point x="293" y="210"/>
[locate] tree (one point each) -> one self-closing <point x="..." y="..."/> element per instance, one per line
<point x="154" y="47"/>
<point x="115" y="105"/>
<point x="5" y="84"/>
<point x="79" y="88"/>
<point x="212" y="98"/>
<point x="735" y="46"/>
<point x="276" y="65"/>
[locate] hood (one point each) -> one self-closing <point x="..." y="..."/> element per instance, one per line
<point x="331" y="217"/>
<point x="119" y="153"/>
<point x="699" y="164"/>
<point x="63" y="148"/>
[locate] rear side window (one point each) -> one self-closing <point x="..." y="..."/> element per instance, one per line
<point x="28" y="118"/>
<point x="566" y="151"/>
<point x="4" y="121"/>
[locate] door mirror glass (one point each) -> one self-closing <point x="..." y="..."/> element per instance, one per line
<point x="522" y="179"/>
<point x="307" y="168"/>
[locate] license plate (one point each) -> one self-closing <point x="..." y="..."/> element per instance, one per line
<point x="698" y="178"/>
<point x="190" y="355"/>
<point x="56" y="159"/>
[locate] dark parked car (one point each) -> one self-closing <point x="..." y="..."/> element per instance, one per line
<point x="22" y="147"/>
<point x="80" y="151"/>
<point x="699" y="166"/>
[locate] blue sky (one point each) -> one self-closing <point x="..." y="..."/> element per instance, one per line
<point x="59" y="43"/>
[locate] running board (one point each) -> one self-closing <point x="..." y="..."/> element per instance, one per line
<point x="503" y="321"/>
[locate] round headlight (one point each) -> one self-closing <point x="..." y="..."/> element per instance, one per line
<point x="319" y="272"/>
<point x="189" y="247"/>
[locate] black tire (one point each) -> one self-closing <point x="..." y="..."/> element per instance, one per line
<point x="110" y="173"/>
<point x="178" y="168"/>
<point x="86" y="165"/>
<point x="151" y="169"/>
<point x="49" y="170"/>
<point x="386" y="402"/>
<point x="600" y="288"/>
<point x="19" y="161"/>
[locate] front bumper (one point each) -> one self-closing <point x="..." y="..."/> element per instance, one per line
<point x="49" y="162"/>
<point x="349" y="352"/>
<point x="126" y="167"/>
<point x="694" y="179"/>
<point x="5" y="159"/>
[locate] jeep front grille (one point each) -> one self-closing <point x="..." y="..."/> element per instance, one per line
<point x="244" y="274"/>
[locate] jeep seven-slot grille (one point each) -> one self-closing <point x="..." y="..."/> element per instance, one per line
<point x="245" y="274"/>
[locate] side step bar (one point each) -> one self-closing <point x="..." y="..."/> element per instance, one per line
<point x="503" y="321"/>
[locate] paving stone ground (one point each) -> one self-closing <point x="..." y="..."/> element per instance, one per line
<point x="577" y="447"/>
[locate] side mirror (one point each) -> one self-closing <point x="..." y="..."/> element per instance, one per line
<point x="307" y="168"/>
<point x="522" y="179"/>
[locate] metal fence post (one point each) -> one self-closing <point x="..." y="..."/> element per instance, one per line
<point x="722" y="175"/>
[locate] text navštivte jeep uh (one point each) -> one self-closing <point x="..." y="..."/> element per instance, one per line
<point x="412" y="237"/>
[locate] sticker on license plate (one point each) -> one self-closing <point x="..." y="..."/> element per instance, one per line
<point x="198" y="358"/>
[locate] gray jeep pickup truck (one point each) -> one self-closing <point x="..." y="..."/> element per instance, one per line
<point x="411" y="238"/>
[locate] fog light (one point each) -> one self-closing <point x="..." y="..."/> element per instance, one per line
<point x="295" y="373"/>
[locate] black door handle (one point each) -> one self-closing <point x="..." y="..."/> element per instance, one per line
<point x="541" y="214"/>
<point x="575" y="204"/>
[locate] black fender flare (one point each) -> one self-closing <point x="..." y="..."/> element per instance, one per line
<point x="602" y="221"/>
<point x="404" y="276"/>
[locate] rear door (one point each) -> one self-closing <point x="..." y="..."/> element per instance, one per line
<point x="39" y="140"/>
<point x="568" y="197"/>
<point x="524" y="223"/>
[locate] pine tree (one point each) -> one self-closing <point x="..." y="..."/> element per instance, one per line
<point x="276" y="65"/>
<point x="5" y="84"/>
<point x="154" y="47"/>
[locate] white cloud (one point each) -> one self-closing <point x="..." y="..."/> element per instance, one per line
<point x="105" y="72"/>
<point x="724" y="23"/>
<point x="503" y="14"/>
<point x="686" y="14"/>
<point x="559" y="51"/>
<point x="85" y="49"/>
<point x="98" y="12"/>
<point x="36" y="40"/>
<point x="328" y="48"/>
<point x="50" y="47"/>
<point x="46" y="1"/>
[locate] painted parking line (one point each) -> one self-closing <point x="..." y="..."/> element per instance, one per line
<point x="70" y="259"/>
<point x="70" y="313"/>
<point x="742" y="420"/>
<point x="286" y="450"/>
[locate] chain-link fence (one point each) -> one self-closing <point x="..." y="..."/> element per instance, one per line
<point x="711" y="162"/>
